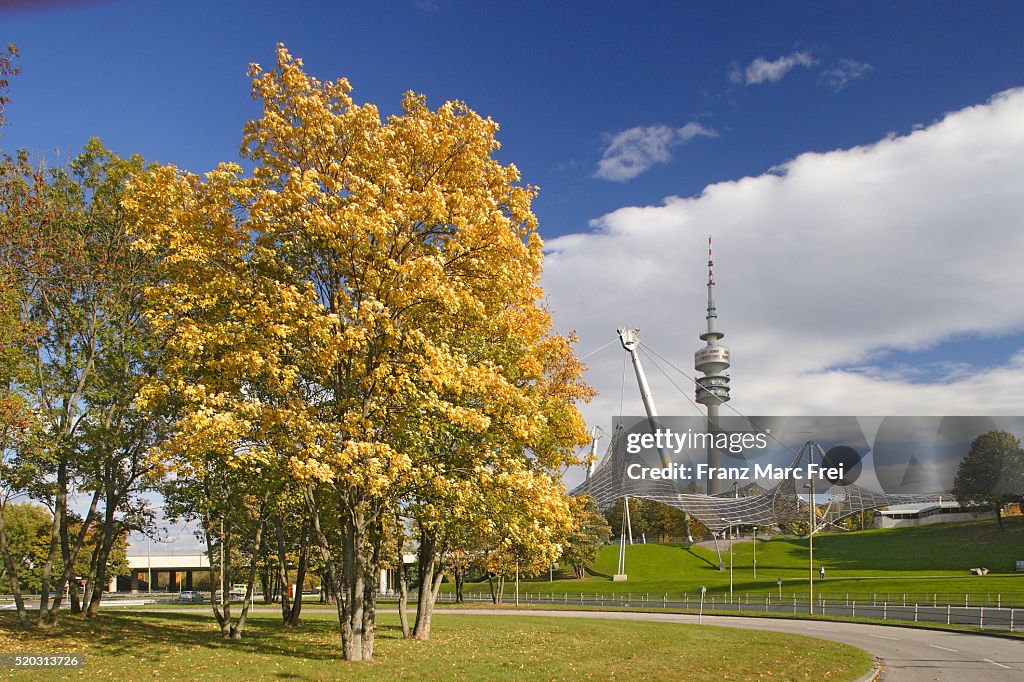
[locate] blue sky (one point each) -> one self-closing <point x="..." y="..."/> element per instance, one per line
<point x="860" y="164"/>
<point x="167" y="80"/>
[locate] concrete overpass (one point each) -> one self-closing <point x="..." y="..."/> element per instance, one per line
<point x="167" y="573"/>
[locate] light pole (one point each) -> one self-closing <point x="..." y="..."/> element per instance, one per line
<point x="730" y="564"/>
<point x="731" y="541"/>
<point x="755" y="552"/>
<point x="810" y="549"/>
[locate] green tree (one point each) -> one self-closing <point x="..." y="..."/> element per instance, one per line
<point x="76" y="285"/>
<point x="27" y="528"/>
<point x="592" y="531"/>
<point x="992" y="473"/>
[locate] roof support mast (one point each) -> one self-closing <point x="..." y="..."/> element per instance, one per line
<point x="630" y="339"/>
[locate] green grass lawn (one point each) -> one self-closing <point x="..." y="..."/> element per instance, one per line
<point x="921" y="562"/>
<point x="146" y="646"/>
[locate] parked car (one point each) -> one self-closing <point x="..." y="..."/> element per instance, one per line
<point x="190" y="597"/>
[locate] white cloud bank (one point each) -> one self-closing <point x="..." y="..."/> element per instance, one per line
<point x="762" y="70"/>
<point x="633" y="151"/>
<point x="900" y="244"/>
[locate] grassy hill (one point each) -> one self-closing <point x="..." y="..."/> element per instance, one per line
<point x="929" y="562"/>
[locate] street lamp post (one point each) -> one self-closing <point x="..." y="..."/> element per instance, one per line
<point x="730" y="564"/>
<point x="731" y="541"/>
<point x="755" y="552"/>
<point x="810" y="550"/>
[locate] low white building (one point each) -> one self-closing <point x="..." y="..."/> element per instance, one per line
<point x="926" y="513"/>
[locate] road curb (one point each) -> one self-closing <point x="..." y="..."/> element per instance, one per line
<point x="875" y="673"/>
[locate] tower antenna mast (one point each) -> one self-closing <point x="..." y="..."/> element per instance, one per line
<point x="713" y="388"/>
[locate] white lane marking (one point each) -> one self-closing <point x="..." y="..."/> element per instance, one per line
<point x="989" y="660"/>
<point x="936" y="646"/>
<point x="884" y="637"/>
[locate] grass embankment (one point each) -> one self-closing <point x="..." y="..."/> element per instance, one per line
<point x="922" y="562"/>
<point x="137" y="646"/>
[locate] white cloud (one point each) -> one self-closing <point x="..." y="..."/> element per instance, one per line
<point x="900" y="244"/>
<point x="633" y="151"/>
<point x="844" y="72"/>
<point x="761" y="70"/>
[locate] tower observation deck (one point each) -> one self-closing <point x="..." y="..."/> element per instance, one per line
<point x="712" y="360"/>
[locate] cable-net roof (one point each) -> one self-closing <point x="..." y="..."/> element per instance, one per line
<point x="781" y="505"/>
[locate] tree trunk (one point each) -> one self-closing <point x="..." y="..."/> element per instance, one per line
<point x="300" y="578"/>
<point x="90" y="579"/>
<point x="95" y="596"/>
<point x="403" y="596"/>
<point x="460" y="580"/>
<point x="239" y="627"/>
<point x="65" y="553"/>
<point x="424" y="606"/>
<point x="490" y="586"/>
<point x="268" y="583"/>
<point x="371" y="586"/>
<point x="219" y="601"/>
<point x="99" y="576"/>
<point x="333" y="582"/>
<point x="282" y="572"/>
<point x="69" y="567"/>
<point x="51" y="558"/>
<point x="352" y="601"/>
<point x="431" y="577"/>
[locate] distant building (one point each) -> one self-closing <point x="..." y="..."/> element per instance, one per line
<point x="168" y="573"/>
<point x="925" y="513"/>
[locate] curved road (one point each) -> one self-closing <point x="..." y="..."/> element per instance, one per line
<point x="906" y="654"/>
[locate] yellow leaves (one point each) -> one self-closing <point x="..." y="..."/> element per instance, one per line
<point x="362" y="310"/>
<point x="151" y="395"/>
<point x="310" y="470"/>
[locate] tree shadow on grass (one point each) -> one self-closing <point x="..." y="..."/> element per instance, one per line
<point x="702" y="558"/>
<point x="170" y="635"/>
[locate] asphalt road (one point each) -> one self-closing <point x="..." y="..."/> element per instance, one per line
<point x="906" y="654"/>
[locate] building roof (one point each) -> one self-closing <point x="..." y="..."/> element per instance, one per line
<point x="921" y="507"/>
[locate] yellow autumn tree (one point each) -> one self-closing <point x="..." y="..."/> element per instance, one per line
<point x="362" y="313"/>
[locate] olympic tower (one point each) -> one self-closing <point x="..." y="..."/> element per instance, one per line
<point x="713" y="388"/>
